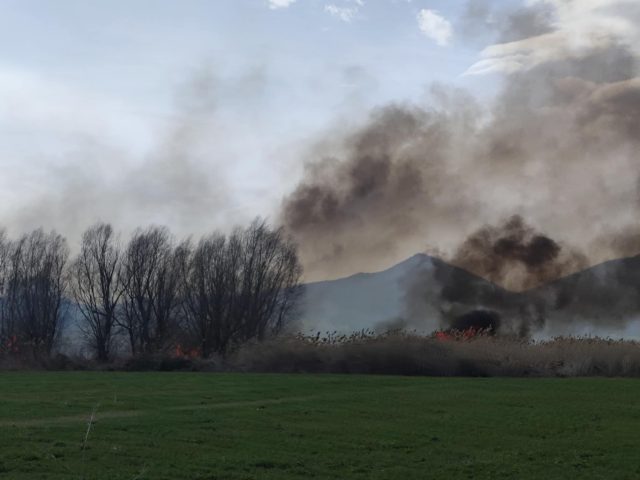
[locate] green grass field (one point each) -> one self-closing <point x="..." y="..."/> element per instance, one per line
<point x="234" y="426"/>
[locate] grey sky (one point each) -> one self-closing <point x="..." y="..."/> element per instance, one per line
<point x="93" y="90"/>
<point x="201" y="114"/>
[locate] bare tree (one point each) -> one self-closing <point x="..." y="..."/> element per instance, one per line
<point x="240" y="288"/>
<point x="6" y="331"/>
<point x="206" y="292"/>
<point x="33" y="307"/>
<point x="95" y="285"/>
<point x="150" y="279"/>
<point x="4" y="254"/>
<point x="220" y="292"/>
<point x="271" y="274"/>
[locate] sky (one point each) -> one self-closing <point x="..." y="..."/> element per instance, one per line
<point x="201" y="115"/>
<point x="92" y="91"/>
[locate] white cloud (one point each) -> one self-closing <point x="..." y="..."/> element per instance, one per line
<point x="275" y="4"/>
<point x="434" y="26"/>
<point x="579" y="27"/>
<point x="346" y="14"/>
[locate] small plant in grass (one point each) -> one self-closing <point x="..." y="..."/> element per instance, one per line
<point x="85" y="442"/>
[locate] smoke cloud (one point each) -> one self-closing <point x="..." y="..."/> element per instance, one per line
<point x="517" y="257"/>
<point x="554" y="152"/>
<point x="180" y="180"/>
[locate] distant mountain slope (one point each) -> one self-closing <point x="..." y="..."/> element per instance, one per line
<point x="424" y="293"/>
<point x="358" y="302"/>
<point x="605" y="296"/>
<point x="405" y="292"/>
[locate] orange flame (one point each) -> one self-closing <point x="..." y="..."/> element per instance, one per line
<point x="450" y="335"/>
<point x="181" y="352"/>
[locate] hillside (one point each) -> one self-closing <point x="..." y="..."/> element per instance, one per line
<point x="424" y="293"/>
<point x="408" y="293"/>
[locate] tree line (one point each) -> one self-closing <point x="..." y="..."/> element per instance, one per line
<point x="150" y="295"/>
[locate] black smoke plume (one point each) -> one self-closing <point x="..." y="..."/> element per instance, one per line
<point x="556" y="148"/>
<point x="555" y="154"/>
<point x="480" y="321"/>
<point x="515" y="255"/>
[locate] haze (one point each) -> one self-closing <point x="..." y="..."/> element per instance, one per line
<point x="371" y="130"/>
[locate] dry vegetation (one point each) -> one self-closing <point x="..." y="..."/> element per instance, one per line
<point x="396" y="353"/>
<point x="410" y="354"/>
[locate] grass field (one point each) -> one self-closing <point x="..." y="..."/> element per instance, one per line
<point x="234" y="426"/>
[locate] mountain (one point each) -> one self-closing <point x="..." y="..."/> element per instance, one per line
<point x="604" y="298"/>
<point x="404" y="294"/>
<point x="426" y="293"/>
<point x="358" y="302"/>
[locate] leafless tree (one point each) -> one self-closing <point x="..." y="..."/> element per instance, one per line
<point x="4" y="254"/>
<point x="271" y="274"/>
<point x="5" y="327"/>
<point x="205" y="292"/>
<point x="240" y="288"/>
<point x="150" y="279"/>
<point x="96" y="287"/>
<point x="34" y="306"/>
<point x="216" y="294"/>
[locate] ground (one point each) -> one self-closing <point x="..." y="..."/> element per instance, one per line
<point x="235" y="426"/>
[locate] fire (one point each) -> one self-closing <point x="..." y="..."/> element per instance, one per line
<point x="182" y="352"/>
<point x="458" y="335"/>
<point x="443" y="336"/>
<point x="470" y="325"/>
<point x="12" y="345"/>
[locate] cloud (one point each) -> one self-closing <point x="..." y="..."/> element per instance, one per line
<point x="275" y="4"/>
<point x="435" y="27"/>
<point x="345" y="13"/>
<point x="556" y="145"/>
<point x="577" y="28"/>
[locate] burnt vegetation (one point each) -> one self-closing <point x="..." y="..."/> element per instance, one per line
<point x="149" y="296"/>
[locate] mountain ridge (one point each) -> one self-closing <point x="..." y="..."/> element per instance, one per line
<point x="423" y="291"/>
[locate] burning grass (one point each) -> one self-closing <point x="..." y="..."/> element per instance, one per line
<point x="466" y="353"/>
